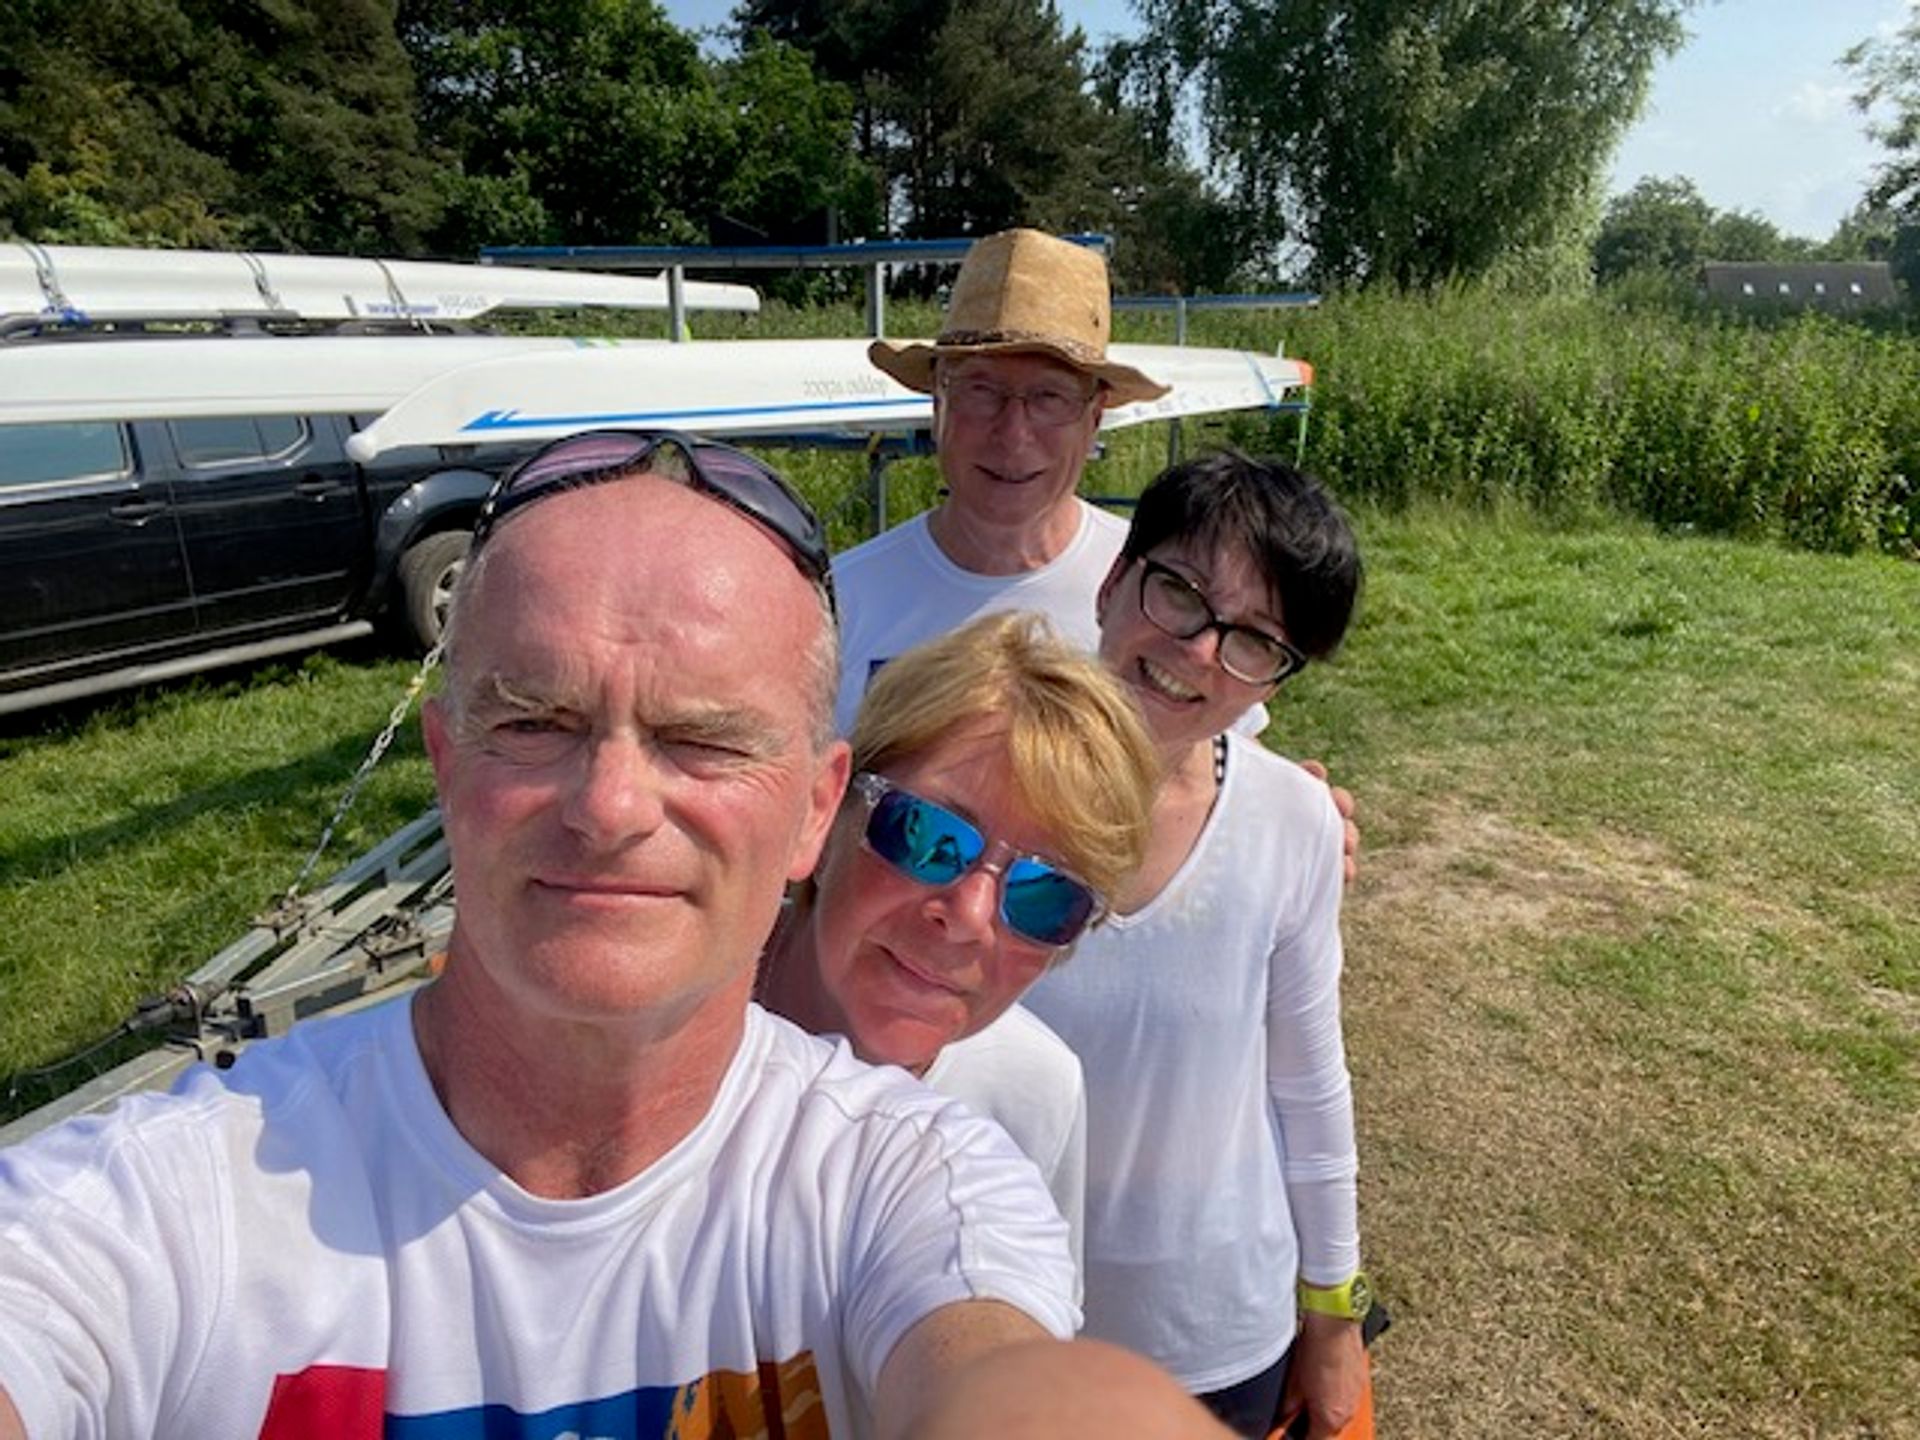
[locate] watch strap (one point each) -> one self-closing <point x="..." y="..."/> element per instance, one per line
<point x="1351" y="1299"/>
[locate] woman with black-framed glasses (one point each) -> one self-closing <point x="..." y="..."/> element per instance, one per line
<point x="1002" y="790"/>
<point x="1206" y="1011"/>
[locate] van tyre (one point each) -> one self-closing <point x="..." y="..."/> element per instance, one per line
<point x="427" y="575"/>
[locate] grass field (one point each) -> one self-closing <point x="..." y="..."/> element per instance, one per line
<point x="1633" y="990"/>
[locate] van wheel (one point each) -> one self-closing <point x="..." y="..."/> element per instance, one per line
<point x="427" y="573"/>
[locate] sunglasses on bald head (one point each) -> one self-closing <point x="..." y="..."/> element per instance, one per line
<point x="930" y="844"/>
<point x="733" y="477"/>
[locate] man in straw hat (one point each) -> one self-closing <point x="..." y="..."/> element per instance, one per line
<point x="1019" y="377"/>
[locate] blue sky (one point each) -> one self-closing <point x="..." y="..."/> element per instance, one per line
<point x="1755" y="109"/>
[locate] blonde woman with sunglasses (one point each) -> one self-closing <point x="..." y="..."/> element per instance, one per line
<point x="1002" y="791"/>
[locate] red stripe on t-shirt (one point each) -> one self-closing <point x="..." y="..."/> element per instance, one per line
<point x="327" y="1402"/>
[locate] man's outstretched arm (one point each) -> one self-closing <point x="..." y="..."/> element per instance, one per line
<point x="983" y="1368"/>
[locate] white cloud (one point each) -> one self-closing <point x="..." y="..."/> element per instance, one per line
<point x="1817" y="103"/>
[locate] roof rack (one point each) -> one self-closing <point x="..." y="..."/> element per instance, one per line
<point x="79" y="326"/>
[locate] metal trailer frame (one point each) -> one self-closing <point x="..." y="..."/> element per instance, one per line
<point x="374" y="927"/>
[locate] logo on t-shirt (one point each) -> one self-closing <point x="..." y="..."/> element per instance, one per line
<point x="341" y="1402"/>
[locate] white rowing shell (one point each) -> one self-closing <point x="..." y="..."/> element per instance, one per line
<point x="765" y="387"/>
<point x="106" y="283"/>
<point x="172" y="378"/>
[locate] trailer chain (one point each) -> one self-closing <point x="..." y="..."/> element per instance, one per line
<point x="287" y="911"/>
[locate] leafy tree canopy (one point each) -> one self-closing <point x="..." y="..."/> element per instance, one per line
<point x="1659" y="225"/>
<point x="282" y="124"/>
<point x="1404" y="142"/>
<point x="1748" y="235"/>
<point x="792" y="145"/>
<point x="1889" y="73"/>
<point x="1665" y="226"/>
<point x="1001" y="128"/>
<point x="565" y="121"/>
<point x="978" y="113"/>
<point x="599" y="122"/>
<point x="1867" y="232"/>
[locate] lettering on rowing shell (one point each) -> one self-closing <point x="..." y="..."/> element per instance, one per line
<point x="843" y="387"/>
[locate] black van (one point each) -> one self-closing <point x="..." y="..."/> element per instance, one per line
<point x="137" y="550"/>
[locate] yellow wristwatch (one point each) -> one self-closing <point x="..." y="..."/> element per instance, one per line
<point x="1351" y="1299"/>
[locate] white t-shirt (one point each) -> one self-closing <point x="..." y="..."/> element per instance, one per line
<point x="305" y="1245"/>
<point x="1220" y="1150"/>
<point x="899" y="589"/>
<point x="1019" y="1073"/>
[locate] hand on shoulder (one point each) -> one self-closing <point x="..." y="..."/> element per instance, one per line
<point x="1343" y="802"/>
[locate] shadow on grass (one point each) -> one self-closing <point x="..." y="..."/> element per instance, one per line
<point x="306" y="785"/>
<point x="312" y="782"/>
<point x="142" y="702"/>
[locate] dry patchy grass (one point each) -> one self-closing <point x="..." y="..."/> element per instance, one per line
<point x="1598" y="1211"/>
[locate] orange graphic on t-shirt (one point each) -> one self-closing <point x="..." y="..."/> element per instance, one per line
<point x="778" y="1401"/>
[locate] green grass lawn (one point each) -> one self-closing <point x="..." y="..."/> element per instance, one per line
<point x="1633" y="981"/>
<point x="141" y="835"/>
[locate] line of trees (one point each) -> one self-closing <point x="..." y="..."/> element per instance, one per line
<point x="1664" y="226"/>
<point x="1665" y="229"/>
<point x="1399" y="141"/>
<point x="402" y="126"/>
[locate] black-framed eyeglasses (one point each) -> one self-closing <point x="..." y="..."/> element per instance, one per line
<point x="932" y="845"/>
<point x="1049" y="406"/>
<point x="1179" y="608"/>
<point x="733" y="477"/>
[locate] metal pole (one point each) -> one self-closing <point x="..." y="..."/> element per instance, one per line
<point x="876" y="300"/>
<point x="677" y="301"/>
<point x="1179" y="338"/>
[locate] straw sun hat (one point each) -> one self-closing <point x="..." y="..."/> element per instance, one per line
<point x="1023" y="292"/>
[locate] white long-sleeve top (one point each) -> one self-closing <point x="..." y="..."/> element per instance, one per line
<point x="1220" y="1145"/>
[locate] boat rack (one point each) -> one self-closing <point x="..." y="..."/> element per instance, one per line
<point x="379" y="924"/>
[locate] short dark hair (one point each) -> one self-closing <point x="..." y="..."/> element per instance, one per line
<point x="1299" y="538"/>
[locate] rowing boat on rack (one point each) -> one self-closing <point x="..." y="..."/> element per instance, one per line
<point x="97" y="283"/>
<point x="768" y="387"/>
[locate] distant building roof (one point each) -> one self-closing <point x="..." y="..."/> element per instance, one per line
<point x="1835" y="285"/>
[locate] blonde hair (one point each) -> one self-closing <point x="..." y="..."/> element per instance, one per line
<point x="1077" y="750"/>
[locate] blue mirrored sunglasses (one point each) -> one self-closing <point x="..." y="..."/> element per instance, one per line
<point x="733" y="477"/>
<point x="930" y="844"/>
